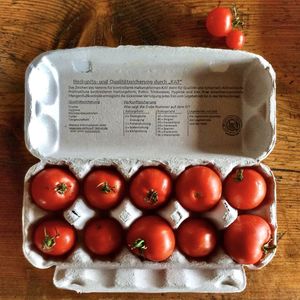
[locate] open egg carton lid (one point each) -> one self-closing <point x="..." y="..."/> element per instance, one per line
<point x="148" y="102"/>
<point x="133" y="104"/>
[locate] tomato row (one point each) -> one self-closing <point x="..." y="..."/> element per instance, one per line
<point x="150" y="237"/>
<point x="197" y="188"/>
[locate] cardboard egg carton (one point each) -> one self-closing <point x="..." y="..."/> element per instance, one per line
<point x="130" y="107"/>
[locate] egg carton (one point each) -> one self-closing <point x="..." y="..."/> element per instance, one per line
<point x="243" y="135"/>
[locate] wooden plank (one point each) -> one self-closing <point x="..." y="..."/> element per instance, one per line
<point x="28" y="28"/>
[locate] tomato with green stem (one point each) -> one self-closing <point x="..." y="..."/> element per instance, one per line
<point x="103" y="236"/>
<point x="104" y="188"/>
<point x="54" y="237"/>
<point x="196" y="237"/>
<point x="150" y="188"/>
<point x="54" y="189"/>
<point x="245" y="188"/>
<point x="248" y="239"/>
<point x="151" y="237"/>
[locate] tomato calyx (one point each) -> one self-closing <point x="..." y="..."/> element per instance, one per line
<point x="61" y="188"/>
<point x="239" y="175"/>
<point x="151" y="196"/>
<point x="105" y="187"/>
<point x="140" y="245"/>
<point x="198" y="195"/>
<point x="268" y="248"/>
<point x="237" y="22"/>
<point x="49" y="241"/>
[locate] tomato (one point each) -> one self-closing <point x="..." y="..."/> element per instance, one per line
<point x="150" y="188"/>
<point x="219" y="21"/>
<point x="246" y="239"/>
<point x="196" y="237"/>
<point x="245" y="188"/>
<point x="103" y="236"/>
<point x="54" y="189"/>
<point x="235" y="39"/>
<point x="151" y="237"/>
<point x="104" y="188"/>
<point x="198" y="188"/>
<point x="54" y="237"/>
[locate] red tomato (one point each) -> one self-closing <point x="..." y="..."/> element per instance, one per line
<point x="196" y="237"/>
<point x="245" y="188"/>
<point x="219" y="21"/>
<point x="235" y="39"/>
<point x="104" y="188"/>
<point x="54" y="189"/>
<point x="151" y="237"/>
<point x="54" y="237"/>
<point x="150" y="188"/>
<point x="198" y="188"/>
<point x="246" y="239"/>
<point x="103" y="236"/>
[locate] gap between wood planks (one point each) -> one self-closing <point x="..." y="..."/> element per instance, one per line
<point x="285" y="170"/>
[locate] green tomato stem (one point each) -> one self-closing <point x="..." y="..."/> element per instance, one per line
<point x="237" y="22"/>
<point x="61" y="188"/>
<point x="266" y="248"/>
<point x="49" y="241"/>
<point x="239" y="176"/>
<point x="151" y="196"/>
<point x="105" y="187"/>
<point x="140" y="245"/>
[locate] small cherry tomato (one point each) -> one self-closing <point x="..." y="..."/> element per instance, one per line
<point x="196" y="237"/>
<point x="103" y="236"/>
<point x="198" y="188"/>
<point x="246" y="239"/>
<point x="151" y="237"/>
<point x="235" y="39"/>
<point x="245" y="188"/>
<point x="54" y="237"/>
<point x="219" y="21"/>
<point x="104" y="188"/>
<point x="150" y="188"/>
<point x="54" y="189"/>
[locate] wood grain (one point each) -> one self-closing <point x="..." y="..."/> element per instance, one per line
<point x="28" y="28"/>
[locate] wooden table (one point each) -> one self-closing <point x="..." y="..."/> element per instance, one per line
<point x="28" y="28"/>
